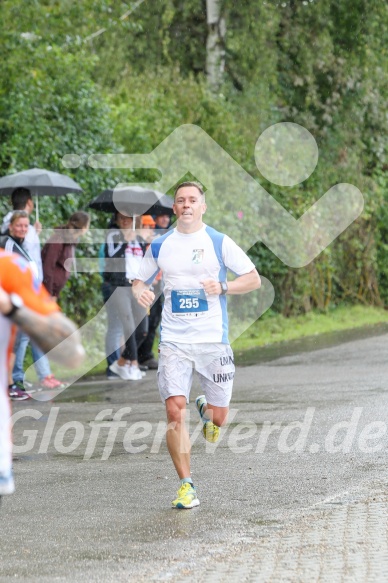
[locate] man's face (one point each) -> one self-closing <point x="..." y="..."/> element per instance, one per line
<point x="189" y="208"/>
<point x="29" y="206"/>
<point x="162" y="221"/>
<point x="19" y="228"/>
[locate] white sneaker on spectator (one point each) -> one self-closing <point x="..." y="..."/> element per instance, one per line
<point x="121" y="370"/>
<point x="135" y="373"/>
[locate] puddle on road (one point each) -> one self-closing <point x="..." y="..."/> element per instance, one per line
<point x="83" y="394"/>
<point x="91" y="394"/>
<point x="263" y="354"/>
<point x="26" y="458"/>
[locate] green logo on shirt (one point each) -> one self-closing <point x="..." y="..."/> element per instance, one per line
<point x="198" y="255"/>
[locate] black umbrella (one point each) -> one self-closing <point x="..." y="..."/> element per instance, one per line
<point x="39" y="182"/>
<point x="133" y="200"/>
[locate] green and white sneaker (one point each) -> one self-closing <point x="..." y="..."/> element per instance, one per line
<point x="211" y="432"/>
<point x="186" y="497"/>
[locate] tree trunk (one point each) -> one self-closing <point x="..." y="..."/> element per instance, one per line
<point x="215" y="46"/>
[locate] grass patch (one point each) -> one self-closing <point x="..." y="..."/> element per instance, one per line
<point x="273" y="328"/>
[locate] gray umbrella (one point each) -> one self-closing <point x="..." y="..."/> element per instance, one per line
<point x="133" y="200"/>
<point x="39" y="182"/>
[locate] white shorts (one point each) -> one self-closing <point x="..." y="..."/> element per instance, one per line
<point x="213" y="363"/>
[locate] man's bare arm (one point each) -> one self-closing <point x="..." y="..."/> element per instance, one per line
<point x="241" y="285"/>
<point x="47" y="331"/>
<point x="142" y="293"/>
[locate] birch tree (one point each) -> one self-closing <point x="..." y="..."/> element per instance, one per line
<point x="215" y="46"/>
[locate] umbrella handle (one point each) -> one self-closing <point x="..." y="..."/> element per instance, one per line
<point x="37" y="209"/>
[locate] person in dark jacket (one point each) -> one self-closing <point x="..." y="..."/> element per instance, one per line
<point x="124" y="251"/>
<point x="59" y="248"/>
<point x="13" y="241"/>
<point x="13" y="238"/>
<point x="114" y="329"/>
<point x="146" y="356"/>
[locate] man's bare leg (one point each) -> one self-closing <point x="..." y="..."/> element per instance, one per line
<point x="219" y="415"/>
<point x="179" y="446"/>
<point x="212" y="417"/>
<point x="177" y="437"/>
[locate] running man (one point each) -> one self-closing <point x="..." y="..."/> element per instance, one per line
<point x="25" y="303"/>
<point x="194" y="259"/>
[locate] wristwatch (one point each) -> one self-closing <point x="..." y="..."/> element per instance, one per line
<point x="16" y="302"/>
<point x="224" y="287"/>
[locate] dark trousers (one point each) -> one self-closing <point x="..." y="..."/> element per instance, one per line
<point x="114" y="331"/>
<point x="145" y="350"/>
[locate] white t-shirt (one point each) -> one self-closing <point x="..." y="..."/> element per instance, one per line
<point x="133" y="259"/>
<point x="190" y="316"/>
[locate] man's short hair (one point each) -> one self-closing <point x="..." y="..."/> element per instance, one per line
<point x="183" y="184"/>
<point x="20" y="197"/>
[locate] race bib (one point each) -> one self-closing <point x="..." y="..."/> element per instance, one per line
<point x="189" y="302"/>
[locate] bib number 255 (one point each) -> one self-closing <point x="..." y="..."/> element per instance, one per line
<point x="189" y="302"/>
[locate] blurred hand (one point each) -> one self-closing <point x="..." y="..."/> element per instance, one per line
<point x="5" y="302"/>
<point x="145" y="298"/>
<point x="211" y="287"/>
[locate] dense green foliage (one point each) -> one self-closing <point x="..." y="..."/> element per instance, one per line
<point x="323" y="65"/>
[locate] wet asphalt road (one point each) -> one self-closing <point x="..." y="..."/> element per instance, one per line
<point x="93" y="496"/>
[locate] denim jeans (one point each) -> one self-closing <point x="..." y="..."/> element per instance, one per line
<point x="41" y="363"/>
